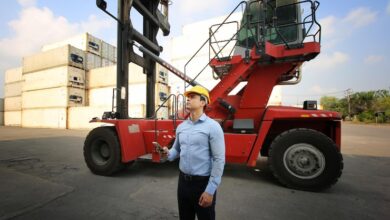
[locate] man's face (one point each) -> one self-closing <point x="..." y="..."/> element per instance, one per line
<point x="194" y="102"/>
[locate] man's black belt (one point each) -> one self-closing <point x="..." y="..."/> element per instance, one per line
<point x="187" y="177"/>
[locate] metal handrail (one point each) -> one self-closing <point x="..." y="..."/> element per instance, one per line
<point x="169" y="97"/>
<point x="177" y="106"/>
<point x="220" y="41"/>
<point x="314" y="6"/>
<point x="263" y="26"/>
<point x="216" y="55"/>
<point x="155" y="114"/>
<point x="174" y="113"/>
<point x="208" y="39"/>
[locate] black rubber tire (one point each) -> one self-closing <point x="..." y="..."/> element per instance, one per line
<point x="102" y="151"/>
<point x="333" y="159"/>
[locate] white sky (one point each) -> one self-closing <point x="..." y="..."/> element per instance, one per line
<point x="354" y="44"/>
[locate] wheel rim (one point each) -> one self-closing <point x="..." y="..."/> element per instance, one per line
<point x="100" y="152"/>
<point x="304" y="161"/>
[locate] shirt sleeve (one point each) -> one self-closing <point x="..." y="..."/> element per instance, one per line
<point x="217" y="146"/>
<point x="174" y="152"/>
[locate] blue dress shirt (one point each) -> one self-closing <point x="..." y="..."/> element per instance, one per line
<point x="201" y="148"/>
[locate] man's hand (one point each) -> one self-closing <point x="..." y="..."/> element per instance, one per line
<point x="205" y="200"/>
<point x="164" y="152"/>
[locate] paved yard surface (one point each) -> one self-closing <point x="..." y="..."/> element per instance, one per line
<point x="43" y="176"/>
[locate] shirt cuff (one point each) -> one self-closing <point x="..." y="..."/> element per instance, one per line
<point x="210" y="189"/>
<point x="172" y="154"/>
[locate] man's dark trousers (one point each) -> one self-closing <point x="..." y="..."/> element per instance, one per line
<point x="189" y="190"/>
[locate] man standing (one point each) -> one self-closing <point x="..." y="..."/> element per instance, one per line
<point x="201" y="147"/>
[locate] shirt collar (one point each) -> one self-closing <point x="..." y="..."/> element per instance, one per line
<point x="203" y="117"/>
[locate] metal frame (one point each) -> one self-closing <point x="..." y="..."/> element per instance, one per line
<point x="262" y="71"/>
<point x="127" y="36"/>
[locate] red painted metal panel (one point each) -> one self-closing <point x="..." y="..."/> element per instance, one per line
<point x="238" y="147"/>
<point x="230" y="81"/>
<point x="136" y="136"/>
<point x="261" y="83"/>
<point x="263" y="131"/>
<point x="337" y="137"/>
<point x="281" y="112"/>
<point x="280" y="51"/>
<point x="131" y="139"/>
<point x="234" y="60"/>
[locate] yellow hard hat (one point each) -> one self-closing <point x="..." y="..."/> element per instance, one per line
<point x="200" y="91"/>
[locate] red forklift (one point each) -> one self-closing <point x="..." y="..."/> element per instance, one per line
<point x="273" y="39"/>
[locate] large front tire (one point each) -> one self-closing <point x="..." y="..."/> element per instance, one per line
<point x="305" y="159"/>
<point x="102" y="152"/>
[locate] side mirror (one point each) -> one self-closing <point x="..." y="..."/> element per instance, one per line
<point x="101" y="4"/>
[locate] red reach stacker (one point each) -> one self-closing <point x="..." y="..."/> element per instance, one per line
<point x="273" y="39"/>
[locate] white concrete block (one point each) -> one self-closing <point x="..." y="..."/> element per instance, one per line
<point x="13" y="118"/>
<point x="108" y="51"/>
<point x="79" y="117"/>
<point x="44" y="118"/>
<point x="64" y="76"/>
<point x="85" y="42"/>
<point x="13" y="103"/>
<point x="106" y="63"/>
<point x="137" y="95"/>
<point x="106" y="76"/>
<point x="13" y="89"/>
<point x="55" y="97"/>
<point x="13" y="75"/>
<point x="62" y="56"/>
<point x="1" y="118"/>
<point x="1" y="104"/>
<point x="92" y="61"/>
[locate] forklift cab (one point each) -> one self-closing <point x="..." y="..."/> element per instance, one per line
<point x="281" y="20"/>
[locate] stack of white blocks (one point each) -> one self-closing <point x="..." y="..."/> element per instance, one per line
<point x="70" y="82"/>
<point x="13" y="97"/>
<point x="98" y="53"/>
<point x="1" y="112"/>
<point x="53" y="81"/>
<point x="101" y="83"/>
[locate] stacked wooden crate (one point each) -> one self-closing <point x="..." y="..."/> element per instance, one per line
<point x="162" y="92"/>
<point x="79" y="117"/>
<point x="108" y="54"/>
<point x="1" y="112"/>
<point x="101" y="84"/>
<point x="53" y="81"/>
<point x="13" y="97"/>
<point x="70" y="82"/>
<point x="92" y="46"/>
<point x="102" y="81"/>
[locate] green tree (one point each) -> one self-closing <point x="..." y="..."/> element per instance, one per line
<point x="364" y="105"/>
<point x="343" y="107"/>
<point x="329" y="102"/>
<point x="332" y="103"/>
<point x="383" y="105"/>
<point x="361" y="102"/>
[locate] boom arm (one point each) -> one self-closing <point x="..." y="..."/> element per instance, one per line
<point x="171" y="68"/>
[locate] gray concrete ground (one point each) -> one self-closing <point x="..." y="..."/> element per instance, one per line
<point x="43" y="176"/>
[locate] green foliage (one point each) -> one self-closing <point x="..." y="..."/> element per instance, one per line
<point x="370" y="106"/>
<point x="334" y="104"/>
<point x="366" y="116"/>
<point x="329" y="102"/>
